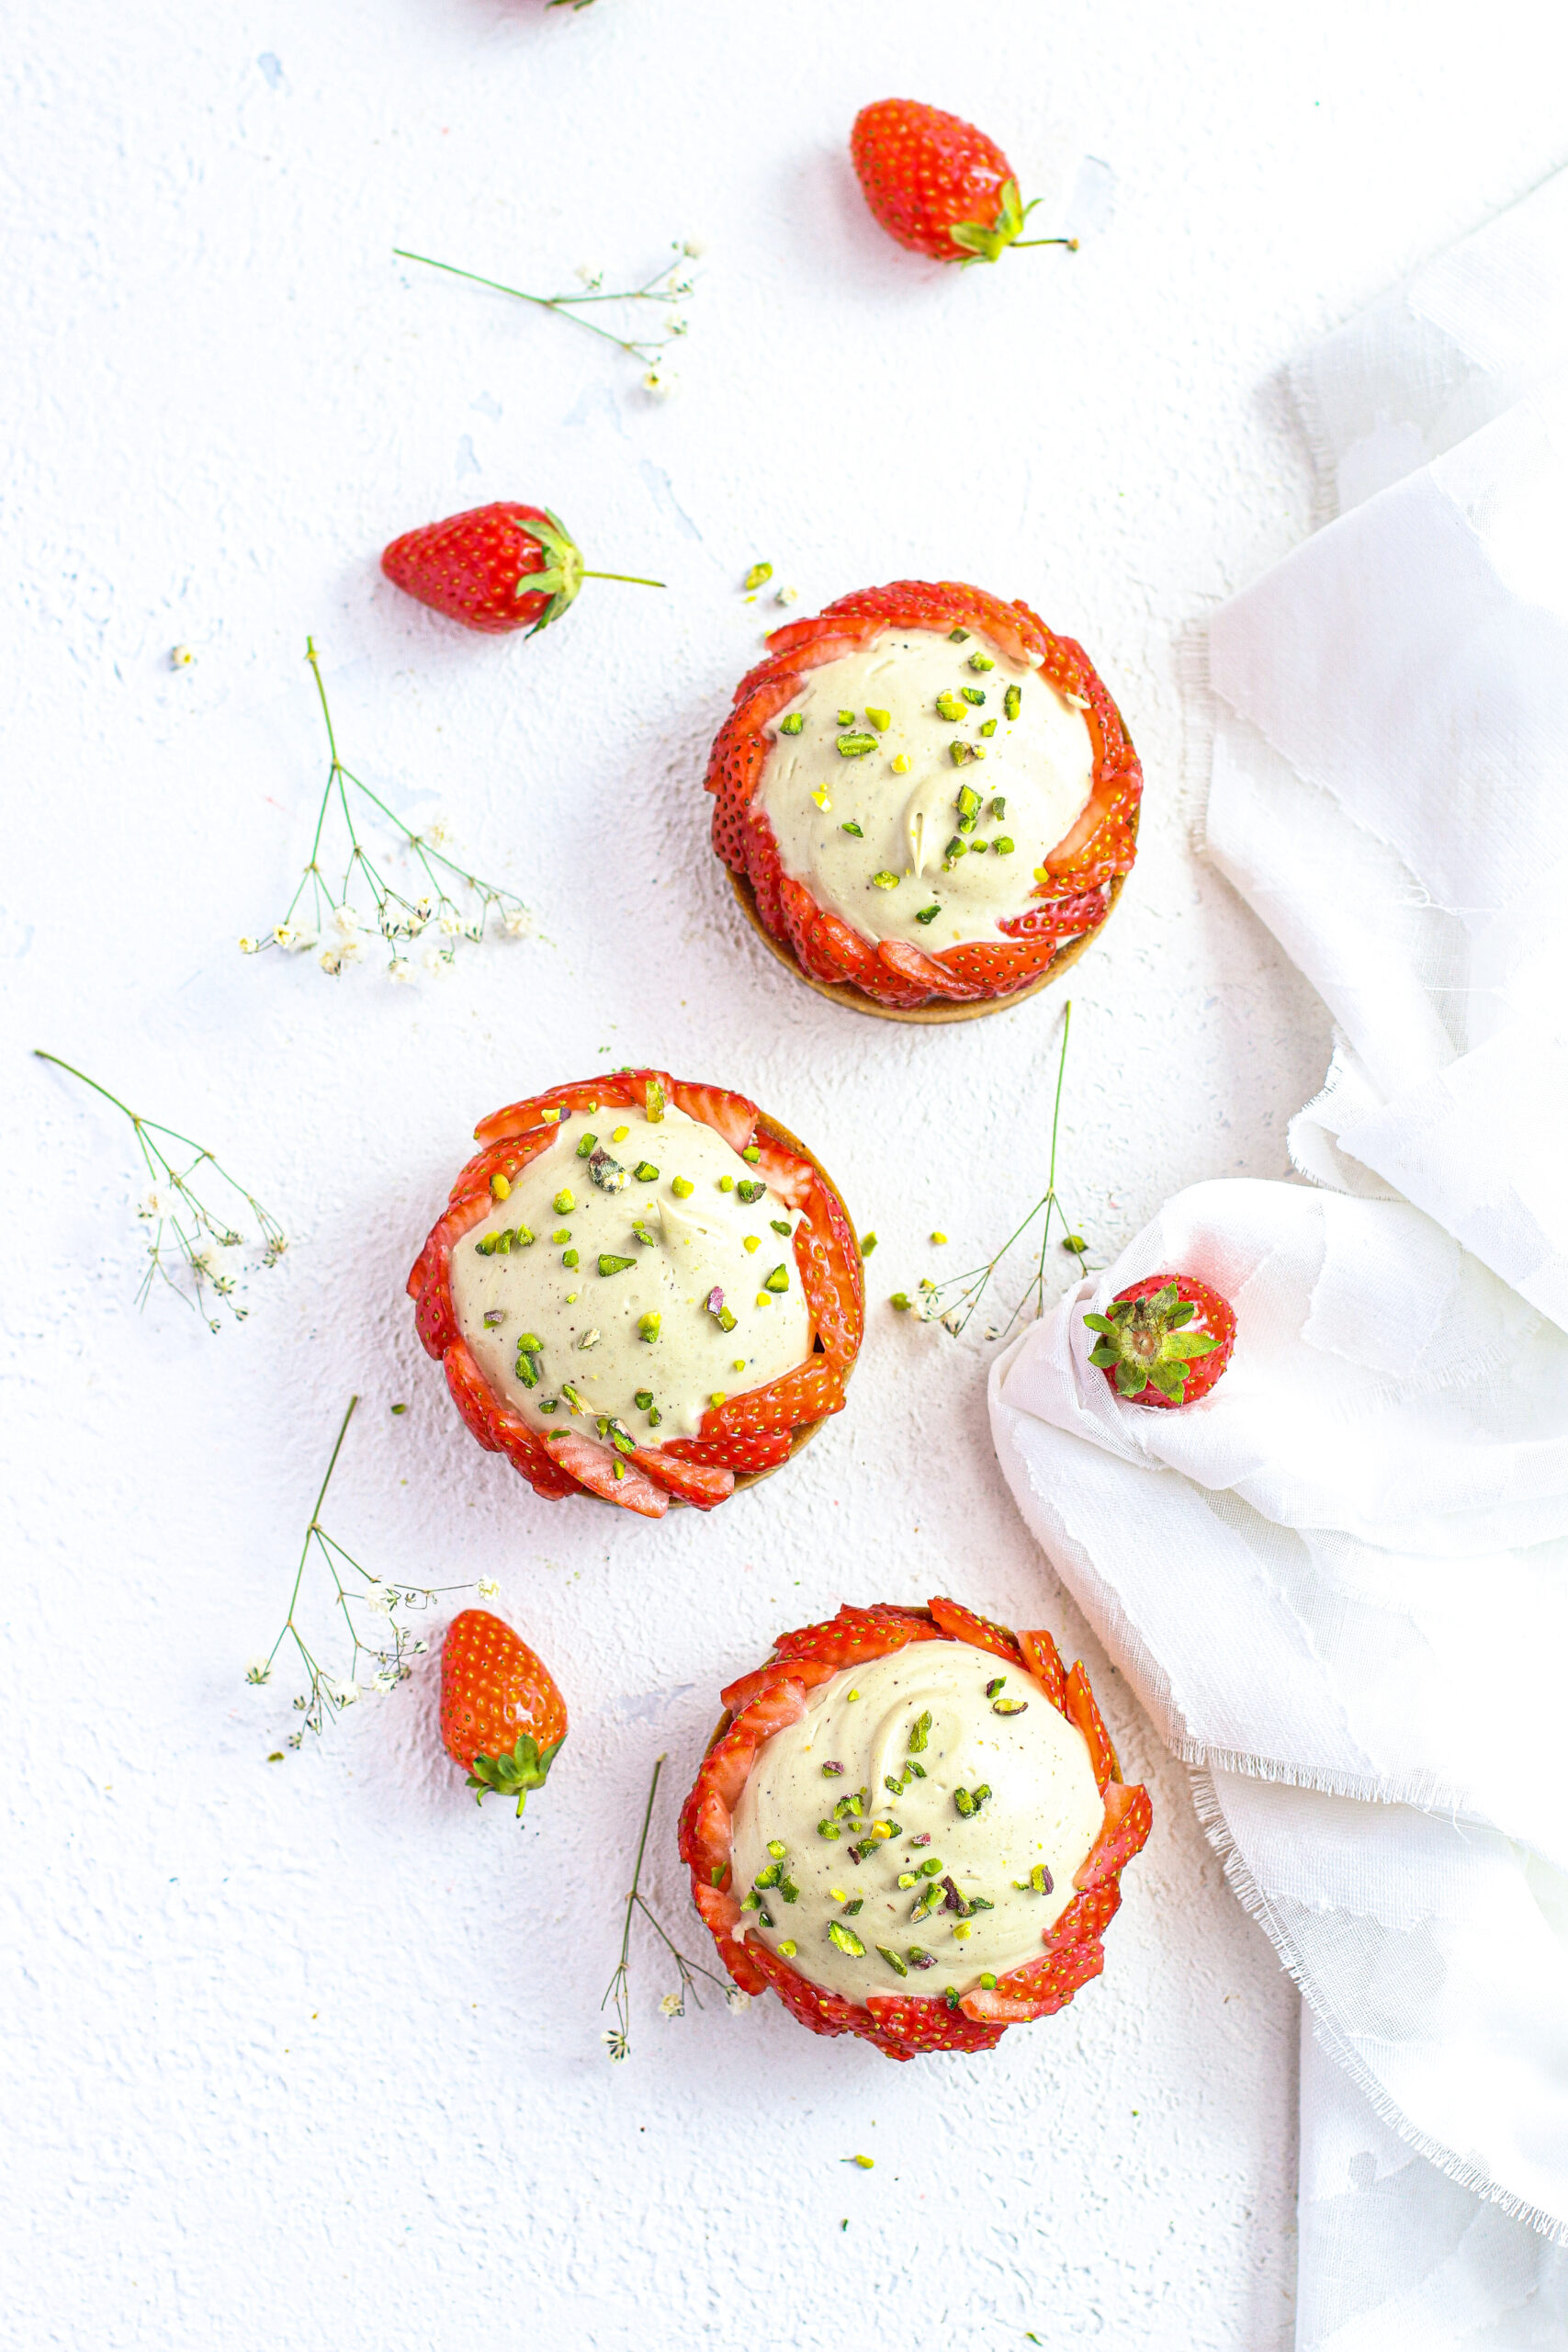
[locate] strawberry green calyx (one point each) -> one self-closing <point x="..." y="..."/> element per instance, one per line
<point x="987" y="242"/>
<point x="525" y="1767"/>
<point x="564" y="570"/>
<point x="1144" y="1344"/>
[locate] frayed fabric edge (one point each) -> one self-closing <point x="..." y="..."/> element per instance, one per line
<point x="1250" y="1895"/>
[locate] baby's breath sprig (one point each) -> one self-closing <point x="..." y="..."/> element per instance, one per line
<point x="952" y="1303"/>
<point x="453" y="904"/>
<point x="618" y="2037"/>
<point x="668" y="288"/>
<point x="191" y="1242"/>
<point x="386" y="1651"/>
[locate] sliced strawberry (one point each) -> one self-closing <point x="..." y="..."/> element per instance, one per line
<point x="692" y="1482"/>
<point x="924" y="2025"/>
<point x="1086" y="1714"/>
<point x="807" y="1394"/>
<point x="470" y="1394"/>
<point x="743" y="1456"/>
<point x="1043" y="1660"/>
<point x="1128" y="1818"/>
<point x="856" y="1634"/>
<point x="925" y="972"/>
<point x="731" y="1116"/>
<point x="507" y="1158"/>
<point x="604" y="1473"/>
<point x="807" y="1671"/>
<point x="517" y="1118"/>
<point x="831" y="1275"/>
<point x="961" y="1624"/>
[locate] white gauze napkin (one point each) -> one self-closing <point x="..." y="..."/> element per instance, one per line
<point x="1341" y="1583"/>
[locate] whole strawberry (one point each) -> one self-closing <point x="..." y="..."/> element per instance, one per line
<point x="495" y="568"/>
<point x="501" y="1716"/>
<point x="1165" y="1341"/>
<point x="938" y="184"/>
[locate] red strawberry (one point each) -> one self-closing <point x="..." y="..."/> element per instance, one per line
<point x="495" y="568"/>
<point x="937" y="185"/>
<point x="1165" y="1341"/>
<point x="501" y="1716"/>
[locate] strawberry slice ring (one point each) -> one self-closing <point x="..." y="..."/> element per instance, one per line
<point x="927" y="801"/>
<point x="971" y="1829"/>
<point x="643" y="1290"/>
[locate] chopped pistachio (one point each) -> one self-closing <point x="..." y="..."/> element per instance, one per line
<point x="717" y="1309"/>
<point x="1012" y="701"/>
<point x="829" y="1828"/>
<point x="918" y="1959"/>
<point x="682" y="1187"/>
<point x="867" y="1244"/>
<point x="564" y="1234"/>
<point x="1003" y="846"/>
<point x="643" y="1399"/>
<point x="585" y="1143"/>
<point x="793" y="724"/>
<point x="854" y="1906"/>
<point x="788" y="1949"/>
<point x="893" y="1963"/>
<point x="833" y="1771"/>
<point x="781" y="1225"/>
<point x="963" y="1931"/>
<point x="927" y="915"/>
<point x="981" y="662"/>
<point x="589" y="1339"/>
<point x="961" y="753"/>
<point x="855" y="747"/>
<point x="951" y="706"/>
<point x="574" y="1397"/>
<point x="885" y="881"/>
<point x="654" y="1417"/>
<point x="778" y="1849"/>
<point x="979" y="849"/>
<point x="619" y="1135"/>
<point x="939" y="1239"/>
<point x="524" y="1238"/>
<point x="738" y="1364"/>
<point x="820" y="797"/>
<point x="758" y="574"/>
<point x="976" y="751"/>
<point x="958" y="637"/>
<point x="716" y="1397"/>
<point x="646" y="1172"/>
<point x="1009" y="1706"/>
<point x="532" y="1343"/>
<point x="607" y="1174"/>
<point x="494" y="1315"/>
<point x="752" y="1154"/>
<point x="968" y="807"/>
<point x="994" y="1685"/>
<point x="609" y="1265"/>
<point x="640" y="1233"/>
<point x="987" y="727"/>
<point x="749" y="1189"/>
<point x="975" y="695"/>
<point x="846" y="719"/>
<point x="988" y="1982"/>
<point x="570" y="1258"/>
<point x="909" y="1878"/>
<point x="846" y="1940"/>
<point x="918" y="1730"/>
<point x="564" y="1203"/>
<point x="853" y="828"/>
<point x="527" y="1369"/>
<point x="778" y="1280"/>
<point x="852" y="1694"/>
<point x="931" y="1866"/>
<point x="956" y="848"/>
<point x="549" y="1118"/>
<point x="549" y="1404"/>
<point x="899" y="1301"/>
<point x="751" y="1243"/>
<point x="999" y="806"/>
<point x="902" y="763"/>
<point x="648" y="1326"/>
<point x="500" y="1186"/>
<point x="881" y="719"/>
<point x="763" y="1298"/>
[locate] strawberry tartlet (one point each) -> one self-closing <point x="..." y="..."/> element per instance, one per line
<point x="926" y="799"/>
<point x="911" y="1825"/>
<point x="641" y="1289"/>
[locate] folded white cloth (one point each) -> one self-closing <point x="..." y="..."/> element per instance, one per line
<point x="1341" y="1583"/>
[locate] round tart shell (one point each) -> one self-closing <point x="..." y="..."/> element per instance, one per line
<point x="505" y="1138"/>
<point x="902" y="2025"/>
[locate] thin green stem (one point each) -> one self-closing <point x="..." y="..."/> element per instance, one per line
<point x="563" y="306"/>
<point x="72" y="1071"/>
<point x="1027" y="244"/>
<point x="632" y="578"/>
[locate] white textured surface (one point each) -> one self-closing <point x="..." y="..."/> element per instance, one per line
<point x="309" y="2054"/>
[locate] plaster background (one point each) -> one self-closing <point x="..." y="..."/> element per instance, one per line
<point x="309" y="2053"/>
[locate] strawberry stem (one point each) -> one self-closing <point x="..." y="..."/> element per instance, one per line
<point x="633" y="577"/>
<point x="1025" y="244"/>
